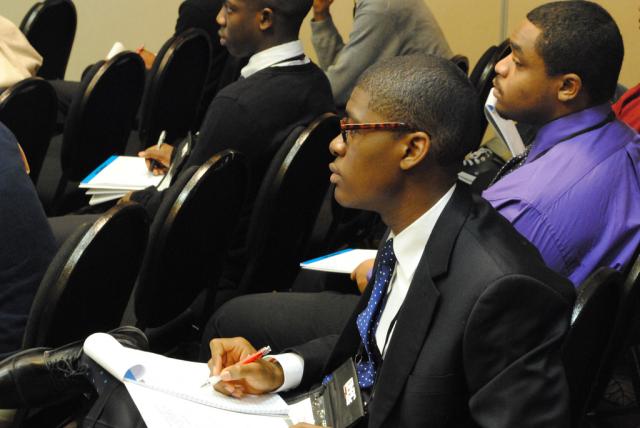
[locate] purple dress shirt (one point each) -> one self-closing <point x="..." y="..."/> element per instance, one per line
<point x="577" y="199"/>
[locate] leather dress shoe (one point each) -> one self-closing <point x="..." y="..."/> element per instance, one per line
<point x="39" y="376"/>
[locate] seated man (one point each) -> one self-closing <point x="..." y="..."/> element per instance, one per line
<point x="26" y="243"/>
<point x="463" y="322"/>
<point x="377" y="34"/>
<point x="577" y="197"/>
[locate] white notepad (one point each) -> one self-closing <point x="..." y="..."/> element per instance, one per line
<point x="177" y="378"/>
<point x="344" y="261"/>
<point x="121" y="173"/>
<point x="505" y="129"/>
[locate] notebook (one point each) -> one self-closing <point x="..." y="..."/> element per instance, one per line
<point x="505" y="129"/>
<point x="179" y="379"/>
<point x="344" y="261"/>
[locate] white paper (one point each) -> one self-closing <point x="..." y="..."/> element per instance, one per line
<point x="344" y="261"/>
<point x="505" y="129"/>
<point x="178" y="378"/>
<point x="160" y="410"/>
<point x="121" y="173"/>
<point x="115" y="50"/>
<point x="302" y="411"/>
<point x="99" y="199"/>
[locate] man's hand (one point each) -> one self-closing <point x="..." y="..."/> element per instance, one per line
<point x="148" y="57"/>
<point x="361" y="274"/>
<point x="321" y="9"/>
<point x="161" y="156"/>
<point x="262" y="376"/>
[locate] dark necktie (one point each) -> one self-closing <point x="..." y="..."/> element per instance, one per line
<point x="368" y="319"/>
<point x="512" y="164"/>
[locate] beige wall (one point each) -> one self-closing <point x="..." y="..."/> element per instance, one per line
<point x="470" y="26"/>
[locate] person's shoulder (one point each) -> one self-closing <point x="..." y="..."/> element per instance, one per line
<point x="487" y="235"/>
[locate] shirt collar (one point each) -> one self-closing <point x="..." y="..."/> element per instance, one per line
<point x="271" y="56"/>
<point x="559" y="129"/>
<point x="409" y="244"/>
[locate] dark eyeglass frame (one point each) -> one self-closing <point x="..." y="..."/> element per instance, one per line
<point x="380" y="126"/>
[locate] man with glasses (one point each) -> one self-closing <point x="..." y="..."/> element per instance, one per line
<point x="449" y="331"/>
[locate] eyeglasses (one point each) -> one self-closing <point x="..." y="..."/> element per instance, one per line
<point x="346" y="127"/>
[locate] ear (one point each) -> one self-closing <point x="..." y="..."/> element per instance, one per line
<point x="266" y="18"/>
<point x="416" y="147"/>
<point x="570" y="87"/>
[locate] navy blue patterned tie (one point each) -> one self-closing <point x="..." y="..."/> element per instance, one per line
<point x="368" y="319"/>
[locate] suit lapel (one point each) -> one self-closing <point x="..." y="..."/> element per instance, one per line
<point x="418" y="309"/>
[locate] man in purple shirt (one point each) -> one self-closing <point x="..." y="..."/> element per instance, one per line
<point x="576" y="194"/>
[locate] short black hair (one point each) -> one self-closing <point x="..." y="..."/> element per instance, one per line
<point x="580" y="37"/>
<point x="294" y="10"/>
<point x="430" y="94"/>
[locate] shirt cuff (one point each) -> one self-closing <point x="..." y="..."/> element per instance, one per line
<point x="293" y="368"/>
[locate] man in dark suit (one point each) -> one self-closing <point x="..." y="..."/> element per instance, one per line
<point x="462" y="323"/>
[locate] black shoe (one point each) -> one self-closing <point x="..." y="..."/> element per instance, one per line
<point x="39" y="376"/>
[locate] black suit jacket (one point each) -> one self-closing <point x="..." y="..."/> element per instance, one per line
<point x="477" y="341"/>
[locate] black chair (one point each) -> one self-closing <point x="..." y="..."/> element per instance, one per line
<point x="99" y="121"/>
<point x="28" y="109"/>
<point x="174" y="87"/>
<point x="286" y="207"/>
<point x="88" y="283"/>
<point x="462" y="62"/>
<point x="50" y="27"/>
<point x="189" y="237"/>
<point x="585" y="346"/>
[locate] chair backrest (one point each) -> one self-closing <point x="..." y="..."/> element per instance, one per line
<point x="287" y="205"/>
<point x="189" y="237"/>
<point x="174" y="87"/>
<point x="88" y="283"/>
<point x="102" y="114"/>
<point x="585" y="346"/>
<point x="462" y="62"/>
<point x="29" y="110"/>
<point x="626" y="333"/>
<point x="50" y="27"/>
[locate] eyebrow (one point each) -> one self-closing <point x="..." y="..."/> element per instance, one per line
<point x="515" y="47"/>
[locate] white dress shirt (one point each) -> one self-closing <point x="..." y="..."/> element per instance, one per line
<point x="284" y="55"/>
<point x="408" y="247"/>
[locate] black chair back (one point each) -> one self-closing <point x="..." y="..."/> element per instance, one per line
<point x="462" y="62"/>
<point x="102" y="114"/>
<point x="585" y="346"/>
<point x="50" y="27"/>
<point x="287" y="205"/>
<point x="29" y="109"/>
<point x="174" y="87"/>
<point x="88" y="283"/>
<point x="189" y="237"/>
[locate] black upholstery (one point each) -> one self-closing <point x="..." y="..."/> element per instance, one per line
<point x="88" y="283"/>
<point x="483" y="73"/>
<point x="99" y="121"/>
<point x="585" y="346"/>
<point x="50" y="27"/>
<point x="462" y="62"/>
<point x="174" y="87"/>
<point x="28" y="109"/>
<point x="189" y="237"/>
<point x="287" y="205"/>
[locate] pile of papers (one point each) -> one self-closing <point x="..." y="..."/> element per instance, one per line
<point x="118" y="176"/>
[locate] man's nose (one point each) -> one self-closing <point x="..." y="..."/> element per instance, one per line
<point x="502" y="66"/>
<point x="337" y="146"/>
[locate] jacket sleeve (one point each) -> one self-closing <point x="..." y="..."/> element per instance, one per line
<point x="315" y="354"/>
<point x="512" y="355"/>
<point x="372" y="38"/>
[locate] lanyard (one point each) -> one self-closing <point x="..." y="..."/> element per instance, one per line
<point x="598" y="125"/>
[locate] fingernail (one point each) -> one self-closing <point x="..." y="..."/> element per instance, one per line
<point x="229" y="388"/>
<point x="225" y="375"/>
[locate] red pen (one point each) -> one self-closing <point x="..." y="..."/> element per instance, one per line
<point x="261" y="353"/>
